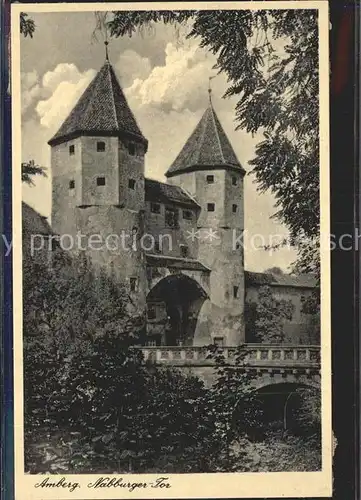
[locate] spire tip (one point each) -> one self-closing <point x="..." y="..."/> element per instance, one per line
<point x="210" y="78"/>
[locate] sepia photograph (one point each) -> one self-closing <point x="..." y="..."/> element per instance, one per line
<point x="173" y="288"/>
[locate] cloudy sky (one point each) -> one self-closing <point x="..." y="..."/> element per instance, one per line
<point x="165" y="79"/>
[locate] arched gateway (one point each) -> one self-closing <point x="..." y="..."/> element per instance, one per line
<point x="173" y="306"/>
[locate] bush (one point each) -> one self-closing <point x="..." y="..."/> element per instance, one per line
<point x="265" y="318"/>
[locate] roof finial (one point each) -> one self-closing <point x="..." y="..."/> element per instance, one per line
<point x="101" y="27"/>
<point x="210" y="89"/>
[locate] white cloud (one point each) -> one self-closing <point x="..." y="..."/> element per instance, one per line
<point x="131" y="66"/>
<point x="65" y="84"/>
<point x="30" y="89"/>
<point x="178" y="84"/>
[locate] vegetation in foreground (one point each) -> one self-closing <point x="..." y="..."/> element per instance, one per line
<point x="93" y="405"/>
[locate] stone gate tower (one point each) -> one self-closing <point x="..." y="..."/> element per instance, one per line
<point x="97" y="159"/>
<point x="208" y="169"/>
<point x="193" y="291"/>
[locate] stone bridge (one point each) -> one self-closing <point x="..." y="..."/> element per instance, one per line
<point x="274" y="364"/>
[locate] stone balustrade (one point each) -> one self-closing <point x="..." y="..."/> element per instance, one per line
<point x="254" y="355"/>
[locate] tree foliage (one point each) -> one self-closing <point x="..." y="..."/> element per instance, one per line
<point x="266" y="317"/>
<point x="274" y="270"/>
<point x="271" y="61"/>
<point x="72" y="302"/>
<point x="232" y="395"/>
<point x="27" y="25"/>
<point x="306" y="412"/>
<point x="93" y="405"/>
<point x="29" y="169"/>
<point x="89" y="396"/>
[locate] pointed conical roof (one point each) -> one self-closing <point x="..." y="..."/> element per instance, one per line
<point x="207" y="146"/>
<point x="101" y="110"/>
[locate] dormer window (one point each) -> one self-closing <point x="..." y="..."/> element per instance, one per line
<point x="100" y="181"/>
<point x="71" y="184"/>
<point x="100" y="146"/>
<point x="131" y="149"/>
<point x="72" y="150"/>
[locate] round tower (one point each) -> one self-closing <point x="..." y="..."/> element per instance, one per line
<point x="207" y="167"/>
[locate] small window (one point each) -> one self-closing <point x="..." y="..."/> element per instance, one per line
<point x="234" y="208"/>
<point x="151" y="312"/>
<point x="211" y="207"/>
<point x="171" y="217"/>
<point x="100" y="181"/>
<point x="71" y="184"/>
<point x="219" y="341"/>
<point x="187" y="214"/>
<point x="234" y="181"/>
<point x="100" y="146"/>
<point x="210" y="179"/>
<point x="235" y="292"/>
<point x="157" y="247"/>
<point x="155" y="208"/>
<point x="133" y="284"/>
<point x="151" y="343"/>
<point x="72" y="149"/>
<point x="184" y="251"/>
<point x="131" y="184"/>
<point x="131" y="149"/>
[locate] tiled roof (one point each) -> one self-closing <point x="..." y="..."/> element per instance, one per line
<point x="164" y="193"/>
<point x="101" y="110"/>
<point x="33" y="222"/>
<point x="175" y="263"/>
<point x="208" y="146"/>
<point x="259" y="279"/>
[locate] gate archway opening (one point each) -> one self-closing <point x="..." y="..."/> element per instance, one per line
<point x="173" y="306"/>
<point x="290" y="407"/>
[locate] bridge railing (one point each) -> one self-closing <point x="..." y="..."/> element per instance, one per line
<point x="254" y="355"/>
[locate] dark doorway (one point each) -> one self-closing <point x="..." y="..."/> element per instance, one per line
<point x="182" y="298"/>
